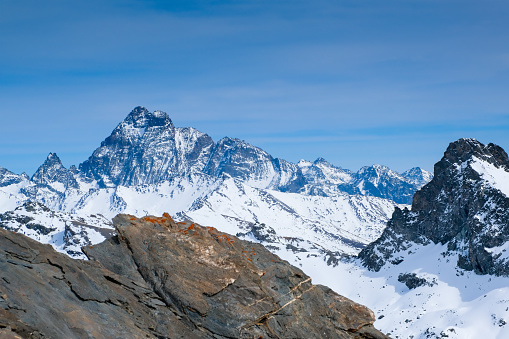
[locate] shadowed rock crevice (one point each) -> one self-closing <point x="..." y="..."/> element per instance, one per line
<point x="161" y="279"/>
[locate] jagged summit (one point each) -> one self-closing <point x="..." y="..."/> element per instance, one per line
<point x="465" y="205"/>
<point x="140" y="117"/>
<point x="9" y="178"/>
<point x="146" y="148"/>
<point x="53" y="174"/>
<point x="464" y="149"/>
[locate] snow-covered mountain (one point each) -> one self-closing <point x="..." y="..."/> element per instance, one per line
<point x="310" y="213"/>
<point x="147" y="148"/>
<point x="67" y="233"/>
<point x="443" y="265"/>
<point x="465" y="206"/>
<point x="417" y="176"/>
<point x="420" y="276"/>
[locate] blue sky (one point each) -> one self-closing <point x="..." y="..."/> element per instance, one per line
<point x="355" y="82"/>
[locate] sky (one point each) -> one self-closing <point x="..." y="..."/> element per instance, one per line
<point x="355" y="82"/>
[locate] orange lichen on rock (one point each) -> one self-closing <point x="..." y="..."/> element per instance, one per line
<point x="152" y="220"/>
<point x="168" y="217"/>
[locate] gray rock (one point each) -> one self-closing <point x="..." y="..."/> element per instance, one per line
<point x="163" y="279"/>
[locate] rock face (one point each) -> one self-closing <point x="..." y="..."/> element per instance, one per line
<point x="465" y="206"/>
<point x="146" y="148"/>
<point x="161" y="279"/>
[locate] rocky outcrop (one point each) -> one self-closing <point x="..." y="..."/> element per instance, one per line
<point x="465" y="206"/>
<point x="161" y="279"/>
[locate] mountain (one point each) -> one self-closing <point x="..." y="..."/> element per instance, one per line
<point x="147" y="166"/>
<point x="417" y="176"/>
<point x="147" y="148"/>
<point x="380" y="181"/>
<point x="53" y="174"/>
<point x="67" y="233"/>
<point x="11" y="185"/>
<point x="8" y="178"/>
<point x="323" y="178"/>
<point x="465" y="206"/>
<point x="439" y="269"/>
<point x="161" y="279"/>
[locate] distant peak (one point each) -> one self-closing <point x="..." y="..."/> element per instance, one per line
<point x="413" y="170"/>
<point x="139" y="109"/>
<point x="321" y="160"/>
<point x="140" y="117"/>
<point x="374" y="167"/>
<point x="52" y="158"/>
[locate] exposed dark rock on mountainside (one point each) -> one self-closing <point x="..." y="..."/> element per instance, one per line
<point x="145" y="148"/>
<point x="163" y="279"/>
<point x="465" y="206"/>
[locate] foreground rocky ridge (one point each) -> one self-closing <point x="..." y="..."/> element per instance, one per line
<point x="465" y="206"/>
<point x="163" y="279"/>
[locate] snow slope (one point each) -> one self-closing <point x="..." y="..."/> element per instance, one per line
<point x="67" y="233"/>
<point x="457" y="304"/>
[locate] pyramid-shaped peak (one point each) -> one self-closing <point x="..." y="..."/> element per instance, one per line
<point x="140" y="117"/>
<point x="52" y="158"/>
<point x="52" y="171"/>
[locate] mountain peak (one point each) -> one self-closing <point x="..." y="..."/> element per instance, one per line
<point x="51" y="163"/>
<point x="465" y="205"/>
<point x="140" y="117"/>
<point x="321" y="160"/>
<point x="53" y="159"/>
<point x="53" y="173"/>
<point x="464" y="149"/>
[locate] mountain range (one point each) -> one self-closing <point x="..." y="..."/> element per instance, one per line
<point x="434" y="269"/>
<point x="149" y="166"/>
